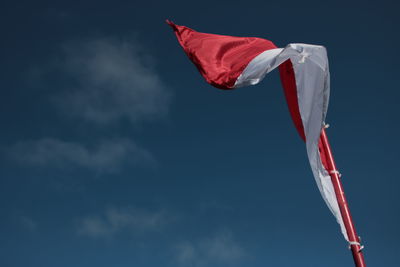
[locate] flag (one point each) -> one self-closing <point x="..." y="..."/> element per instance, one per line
<point x="229" y="62"/>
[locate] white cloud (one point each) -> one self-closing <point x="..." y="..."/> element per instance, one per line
<point x="114" y="221"/>
<point x="109" y="81"/>
<point x="113" y="81"/>
<point x="106" y="156"/>
<point x="220" y="249"/>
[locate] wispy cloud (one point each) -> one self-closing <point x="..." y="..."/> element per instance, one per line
<point x="28" y="223"/>
<point x="108" y="80"/>
<point x="114" y="221"/>
<point x="105" y="156"/>
<point x="113" y="80"/>
<point x="220" y="249"/>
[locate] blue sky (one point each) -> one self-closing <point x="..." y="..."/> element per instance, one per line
<point x="115" y="152"/>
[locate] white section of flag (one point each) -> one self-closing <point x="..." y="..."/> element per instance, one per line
<point x="311" y="68"/>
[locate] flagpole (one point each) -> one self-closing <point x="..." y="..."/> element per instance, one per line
<point x="354" y="239"/>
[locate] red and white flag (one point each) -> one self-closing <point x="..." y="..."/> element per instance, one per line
<point x="228" y="62"/>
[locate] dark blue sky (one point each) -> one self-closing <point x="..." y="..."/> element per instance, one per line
<point x="115" y="152"/>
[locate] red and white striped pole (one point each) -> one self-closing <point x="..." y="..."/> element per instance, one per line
<point x="354" y="239"/>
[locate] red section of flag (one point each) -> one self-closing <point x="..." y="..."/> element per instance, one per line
<point x="288" y="80"/>
<point x="289" y="85"/>
<point x="219" y="58"/>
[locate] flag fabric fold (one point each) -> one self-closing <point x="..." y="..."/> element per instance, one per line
<point x="228" y="62"/>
